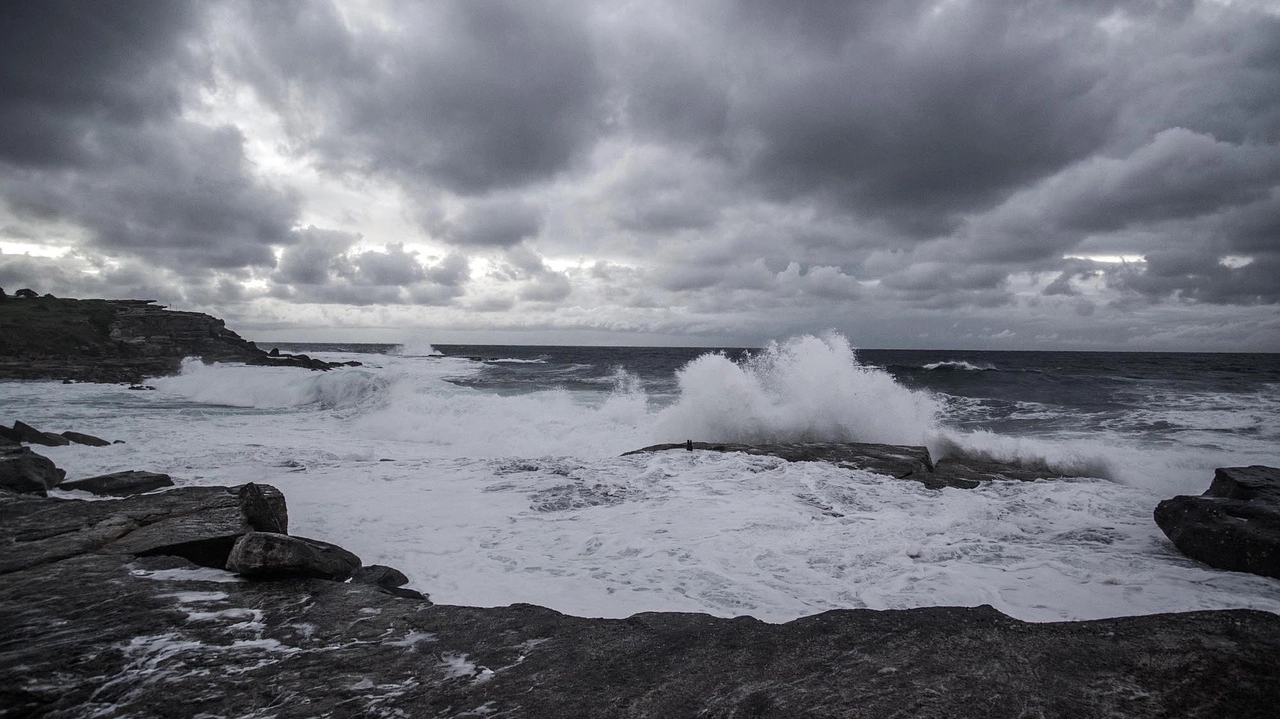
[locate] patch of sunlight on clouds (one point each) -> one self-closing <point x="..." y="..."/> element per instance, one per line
<point x="1114" y="259"/>
<point x="13" y="247"/>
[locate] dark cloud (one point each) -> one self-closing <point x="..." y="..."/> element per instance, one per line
<point x="914" y="117"/>
<point x="322" y="266"/>
<point x="1196" y="276"/>
<point x="493" y="223"/>
<point x="94" y="135"/>
<point x="469" y="95"/>
<point x="314" y="257"/>
<point x="69" y="69"/>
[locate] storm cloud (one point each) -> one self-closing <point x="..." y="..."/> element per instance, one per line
<point x="932" y="173"/>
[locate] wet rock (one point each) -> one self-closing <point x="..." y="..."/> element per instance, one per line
<point x="899" y="461"/>
<point x="1234" y="525"/>
<point x="7" y="433"/>
<point x="86" y="439"/>
<point x="267" y="555"/>
<point x="380" y="575"/>
<point x="389" y="581"/>
<point x="200" y="524"/>
<point x="264" y="508"/>
<point x="968" y="472"/>
<point x="120" y="484"/>
<point x="893" y="460"/>
<point x="125" y="644"/>
<point x="26" y="472"/>
<point x="31" y="435"/>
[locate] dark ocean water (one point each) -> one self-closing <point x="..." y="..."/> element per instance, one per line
<point x="1159" y="397"/>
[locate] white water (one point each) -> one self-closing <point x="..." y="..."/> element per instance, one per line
<point x="490" y="500"/>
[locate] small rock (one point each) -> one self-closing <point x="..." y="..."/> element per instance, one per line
<point x="264" y="507"/>
<point x="381" y="575"/>
<point x="87" y="439"/>
<point x="265" y="555"/>
<point x="121" y="484"/>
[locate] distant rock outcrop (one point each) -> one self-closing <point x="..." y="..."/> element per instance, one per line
<point x="117" y="341"/>
<point x="900" y="461"/>
<point x="1234" y="525"/>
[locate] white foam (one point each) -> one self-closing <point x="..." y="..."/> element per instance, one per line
<point x="958" y="365"/>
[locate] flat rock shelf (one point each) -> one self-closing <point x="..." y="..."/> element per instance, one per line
<point x="102" y="621"/>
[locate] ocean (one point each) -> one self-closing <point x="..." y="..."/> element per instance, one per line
<point x="492" y="475"/>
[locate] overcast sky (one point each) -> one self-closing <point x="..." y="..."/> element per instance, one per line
<point x="1003" y="175"/>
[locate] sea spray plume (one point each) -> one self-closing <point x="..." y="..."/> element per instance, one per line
<point x="456" y="420"/>
<point x="804" y="389"/>
<point x="416" y="347"/>
<point x="1077" y="459"/>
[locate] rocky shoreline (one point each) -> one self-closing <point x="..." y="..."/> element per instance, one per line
<point x="126" y="596"/>
<point x="125" y="341"/>
<point x="115" y="606"/>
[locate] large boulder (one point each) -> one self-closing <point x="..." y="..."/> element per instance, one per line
<point x="267" y="555"/>
<point x="120" y="484"/>
<point x="86" y="439"/>
<point x="200" y="524"/>
<point x="1234" y="525"/>
<point x="26" y="472"/>
<point x="30" y="434"/>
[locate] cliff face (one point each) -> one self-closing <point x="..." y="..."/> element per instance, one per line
<point x="115" y="340"/>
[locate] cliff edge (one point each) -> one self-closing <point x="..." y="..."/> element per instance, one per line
<point x="116" y="340"/>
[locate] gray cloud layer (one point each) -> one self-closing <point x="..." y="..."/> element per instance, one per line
<point x="755" y="166"/>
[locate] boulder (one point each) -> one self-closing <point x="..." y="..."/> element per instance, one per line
<point x="264" y="508"/>
<point x="10" y="435"/>
<point x="86" y="439"/>
<point x="26" y="472"/>
<point x="120" y="484"/>
<point x="267" y="555"/>
<point x="1234" y="525"/>
<point x="31" y="435"/>
<point x="200" y="524"/>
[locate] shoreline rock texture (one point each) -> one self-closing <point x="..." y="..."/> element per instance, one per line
<point x="117" y="340"/>
<point x="115" y="607"/>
